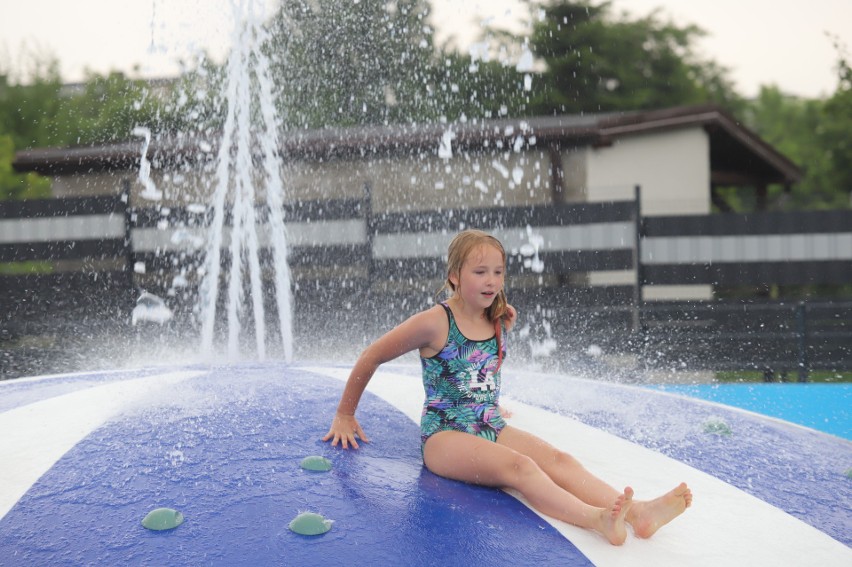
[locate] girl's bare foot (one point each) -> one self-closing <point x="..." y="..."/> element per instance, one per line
<point x="647" y="517"/>
<point x="612" y="518"/>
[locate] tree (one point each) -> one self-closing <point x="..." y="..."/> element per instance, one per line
<point x="792" y="125"/>
<point x="465" y="87"/>
<point x="597" y="62"/>
<point x="27" y="110"/>
<point x="836" y="132"/>
<point x="352" y="63"/>
<point x="816" y="135"/>
<point x="106" y="110"/>
<point x="45" y="113"/>
<point x="14" y="186"/>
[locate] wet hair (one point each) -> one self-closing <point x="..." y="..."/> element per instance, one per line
<point x="463" y="245"/>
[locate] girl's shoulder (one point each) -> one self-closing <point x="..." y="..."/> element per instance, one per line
<point x="431" y="320"/>
<point x="438" y="315"/>
<point x="432" y="327"/>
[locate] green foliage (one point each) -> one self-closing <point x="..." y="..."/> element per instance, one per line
<point x="25" y="268"/>
<point x="374" y="63"/>
<point x="104" y="109"/>
<point x="836" y="133"/>
<point x="793" y="126"/>
<point x="462" y="87"/>
<point x="352" y="63"/>
<point x="15" y="186"/>
<point x="192" y="103"/>
<point x="107" y="110"/>
<point x="597" y="62"/>
<point x="748" y="376"/>
<point x="23" y="124"/>
<point x="814" y="134"/>
<point x="27" y="111"/>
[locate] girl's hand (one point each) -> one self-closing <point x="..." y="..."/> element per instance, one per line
<point x="343" y="429"/>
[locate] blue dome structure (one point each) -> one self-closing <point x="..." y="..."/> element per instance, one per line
<point x="85" y="457"/>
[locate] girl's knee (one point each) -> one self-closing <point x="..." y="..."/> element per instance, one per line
<point x="522" y="467"/>
<point x="561" y="463"/>
<point x="564" y="460"/>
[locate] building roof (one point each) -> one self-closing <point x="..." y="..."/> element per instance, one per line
<point x="738" y="156"/>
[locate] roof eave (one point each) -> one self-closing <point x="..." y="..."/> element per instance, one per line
<point x="708" y="116"/>
<point x="331" y="143"/>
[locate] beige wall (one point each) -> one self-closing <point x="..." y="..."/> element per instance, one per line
<point x="575" y="173"/>
<point x="425" y="182"/>
<point x="673" y="169"/>
<point x="428" y="182"/>
<point x="470" y="179"/>
<point x="179" y="187"/>
<point x="89" y="184"/>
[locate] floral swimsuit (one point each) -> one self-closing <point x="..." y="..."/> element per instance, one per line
<point x="462" y="384"/>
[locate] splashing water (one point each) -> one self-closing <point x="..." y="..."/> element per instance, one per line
<point x="246" y="163"/>
<point x="246" y="195"/>
<point x="150" y="190"/>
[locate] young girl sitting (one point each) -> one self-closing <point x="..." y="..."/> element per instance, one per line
<point x="463" y="434"/>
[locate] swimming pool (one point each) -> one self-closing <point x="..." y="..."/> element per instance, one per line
<point x="824" y="407"/>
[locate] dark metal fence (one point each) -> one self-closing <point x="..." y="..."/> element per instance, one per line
<point x="776" y="338"/>
<point x="92" y="249"/>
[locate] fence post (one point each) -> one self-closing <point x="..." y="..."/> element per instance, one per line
<point x="637" y="259"/>
<point x="371" y="232"/>
<point x="126" y="188"/>
<point x="802" y="343"/>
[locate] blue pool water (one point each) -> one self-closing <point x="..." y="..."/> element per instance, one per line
<point x="824" y="407"/>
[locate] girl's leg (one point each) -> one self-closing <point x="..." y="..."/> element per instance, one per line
<point x="565" y="470"/>
<point x="465" y="457"/>
<point x="646" y="517"/>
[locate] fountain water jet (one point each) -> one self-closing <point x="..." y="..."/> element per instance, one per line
<point x="250" y="124"/>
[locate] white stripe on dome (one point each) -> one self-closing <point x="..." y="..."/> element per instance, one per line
<point x="36" y="435"/>
<point x="725" y="526"/>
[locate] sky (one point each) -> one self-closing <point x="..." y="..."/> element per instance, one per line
<point x="784" y="43"/>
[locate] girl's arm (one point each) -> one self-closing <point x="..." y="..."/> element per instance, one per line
<point x="509" y="322"/>
<point x="421" y="330"/>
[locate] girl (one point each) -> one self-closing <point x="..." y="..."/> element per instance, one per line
<point x="464" y="436"/>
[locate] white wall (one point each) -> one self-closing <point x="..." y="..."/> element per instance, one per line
<point x="494" y="178"/>
<point x="673" y="169"/>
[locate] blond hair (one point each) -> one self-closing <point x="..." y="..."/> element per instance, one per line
<point x="462" y="246"/>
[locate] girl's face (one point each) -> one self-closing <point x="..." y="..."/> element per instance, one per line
<point x="481" y="276"/>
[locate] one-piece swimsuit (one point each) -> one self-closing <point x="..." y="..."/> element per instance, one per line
<point x="462" y="384"/>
